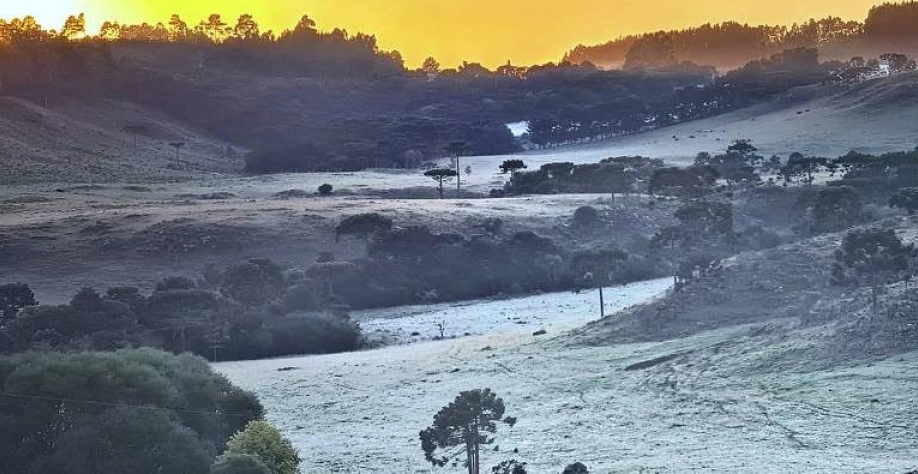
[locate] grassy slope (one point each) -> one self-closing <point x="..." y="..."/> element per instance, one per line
<point x="80" y="141"/>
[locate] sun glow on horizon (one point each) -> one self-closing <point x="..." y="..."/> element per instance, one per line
<point x="487" y="31"/>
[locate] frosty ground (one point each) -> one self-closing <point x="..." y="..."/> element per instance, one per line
<point x="701" y="411"/>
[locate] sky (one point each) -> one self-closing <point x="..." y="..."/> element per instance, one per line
<point x="488" y="31"/>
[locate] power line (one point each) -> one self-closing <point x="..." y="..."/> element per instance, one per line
<point x="24" y="396"/>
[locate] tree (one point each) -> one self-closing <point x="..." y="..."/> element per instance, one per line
<point x="215" y="28"/>
<point x="465" y="423"/>
<point x="178" y="146"/>
<point x="742" y="146"/>
<point x="14" y="297"/>
<point x="239" y="464"/>
<point x="441" y="175"/>
<point x="74" y="27"/>
<point x="512" y="166"/>
<point x="246" y="28"/>
<point x="264" y="442"/>
<point x="363" y="226"/>
<point x="907" y="199"/>
<point x="431" y="67"/>
<point x="873" y="256"/>
<point x="178" y="29"/>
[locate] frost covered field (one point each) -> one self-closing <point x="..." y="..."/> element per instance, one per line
<point x="361" y="412"/>
<point x="553" y="312"/>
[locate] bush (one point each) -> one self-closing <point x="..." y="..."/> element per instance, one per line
<point x="253" y="283"/>
<point x="576" y="468"/>
<point x="264" y="442"/>
<point x="586" y="216"/>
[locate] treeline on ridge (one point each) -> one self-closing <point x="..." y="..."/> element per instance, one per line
<point x="728" y="45"/>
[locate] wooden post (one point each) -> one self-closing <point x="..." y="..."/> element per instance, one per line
<point x="602" y="304"/>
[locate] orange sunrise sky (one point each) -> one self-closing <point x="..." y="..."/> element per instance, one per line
<point x="487" y="31"/>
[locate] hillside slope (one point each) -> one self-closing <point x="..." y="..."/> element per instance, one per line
<point x="94" y="141"/>
<point x="874" y="117"/>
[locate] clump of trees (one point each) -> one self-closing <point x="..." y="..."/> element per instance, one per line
<point x="140" y="411"/>
<point x="612" y="175"/>
<point x="703" y="235"/>
<point x="250" y="310"/>
<point x="872" y="257"/>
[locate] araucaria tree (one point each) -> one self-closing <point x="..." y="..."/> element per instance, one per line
<point x="464" y="425"/>
<point x="441" y="175"/>
<point x="872" y="256"/>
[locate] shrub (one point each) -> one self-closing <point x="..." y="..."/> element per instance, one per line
<point x="576" y="468"/>
<point x="363" y="225"/>
<point x="586" y="216"/>
<point x="264" y="442"/>
<point x="253" y="283"/>
<point x="326" y="189"/>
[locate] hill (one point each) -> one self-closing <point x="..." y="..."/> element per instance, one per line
<point x="99" y="140"/>
<point x="877" y="116"/>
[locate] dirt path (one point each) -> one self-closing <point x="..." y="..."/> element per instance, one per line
<point x="693" y="412"/>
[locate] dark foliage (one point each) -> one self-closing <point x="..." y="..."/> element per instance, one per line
<point x="468" y="421"/>
<point x="147" y="411"/>
<point x="256" y="314"/>
<point x="14" y="297"/>
<point x="612" y="175"/>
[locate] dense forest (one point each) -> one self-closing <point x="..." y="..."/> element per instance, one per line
<point x="308" y="100"/>
<point x="729" y="45"/>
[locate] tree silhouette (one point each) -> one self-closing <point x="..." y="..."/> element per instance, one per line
<point x="441" y="175"/>
<point x="178" y="29"/>
<point x="178" y="146"/>
<point x="215" y="28"/>
<point x="246" y="28"/>
<point x="74" y="27"/>
<point x="465" y="423"/>
<point x="431" y="67"/>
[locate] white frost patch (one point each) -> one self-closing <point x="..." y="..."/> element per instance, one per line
<point x="518" y="129"/>
<point x="552" y="312"/>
